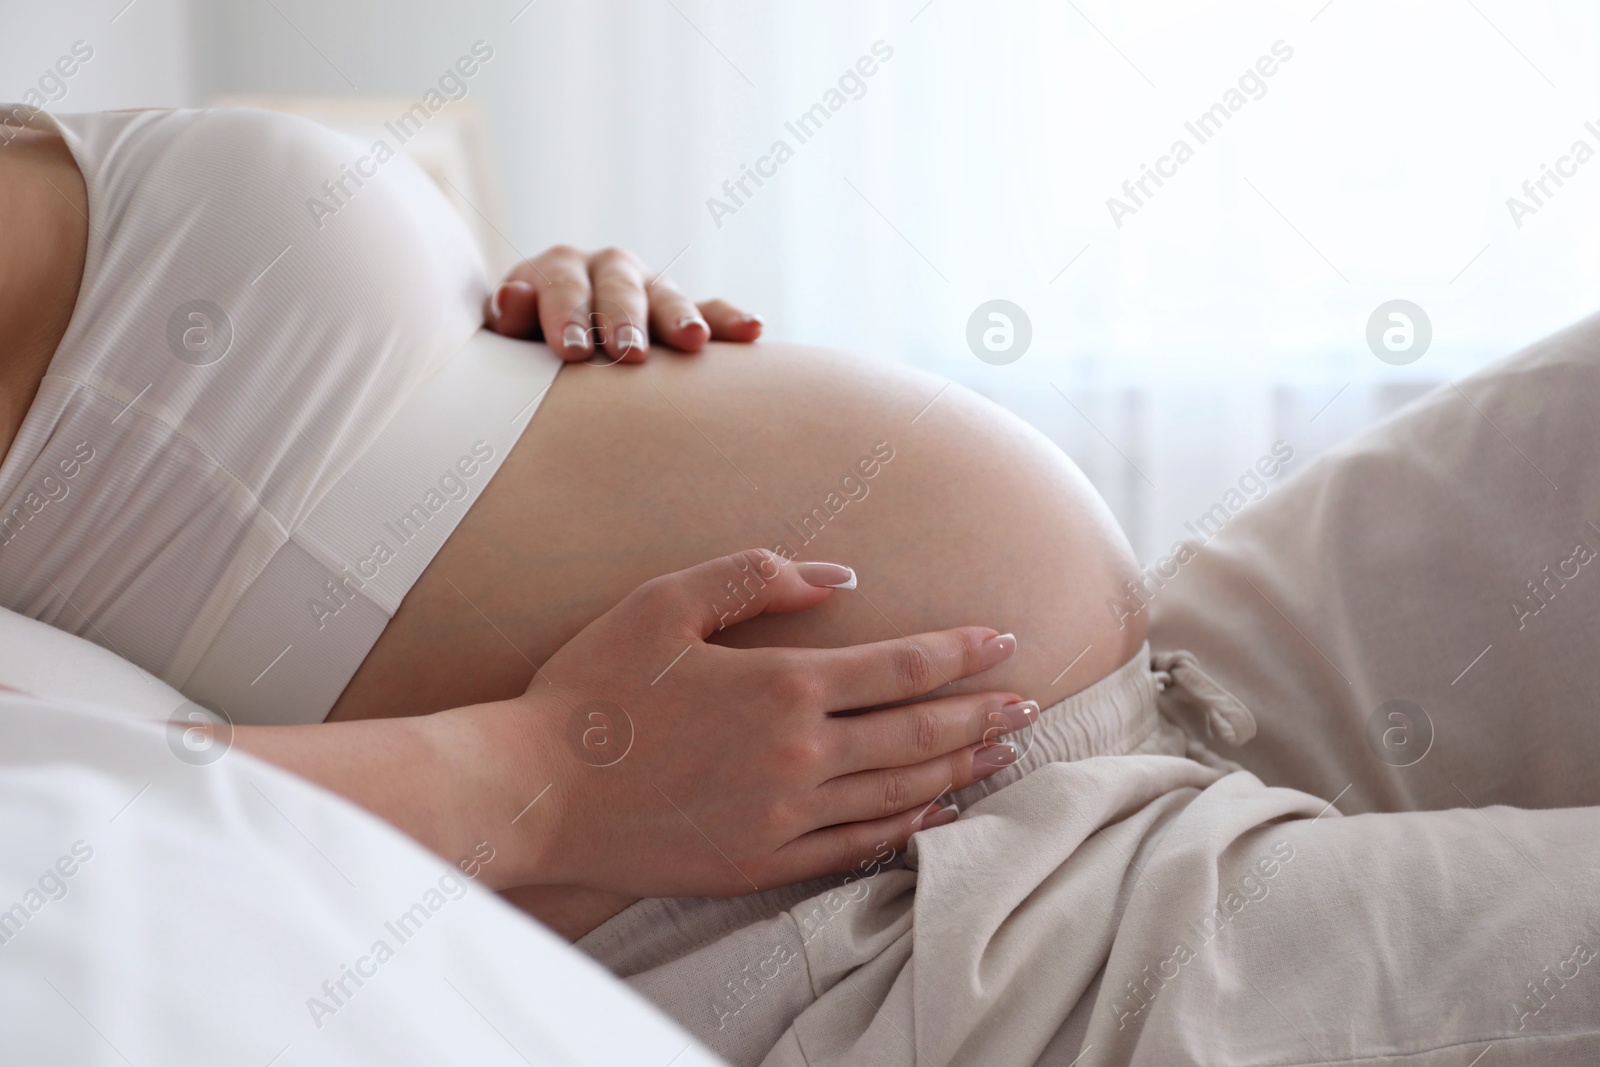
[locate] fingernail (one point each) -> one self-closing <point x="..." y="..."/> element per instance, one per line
<point x="986" y="761"/>
<point x="495" y="306"/>
<point x="575" y="336"/>
<point x="629" y="338"/>
<point x="939" y="817"/>
<point x="996" y="650"/>
<point x="753" y="317"/>
<point x="826" y="575"/>
<point x="693" y="320"/>
<point x="1017" y="715"/>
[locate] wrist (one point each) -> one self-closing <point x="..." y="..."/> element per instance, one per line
<point x="505" y="812"/>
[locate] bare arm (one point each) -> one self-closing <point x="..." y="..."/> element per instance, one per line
<point x="444" y="779"/>
<point x="741" y="747"/>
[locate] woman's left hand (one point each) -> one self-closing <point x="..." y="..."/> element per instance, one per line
<point x="578" y="302"/>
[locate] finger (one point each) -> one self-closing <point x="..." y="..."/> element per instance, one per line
<point x="675" y="319"/>
<point x="621" y="309"/>
<point x="880" y="794"/>
<point x="728" y="323"/>
<point x="546" y="298"/>
<point x="909" y="734"/>
<point x="561" y="278"/>
<point x="513" y="309"/>
<point x="710" y="596"/>
<point x="863" y="676"/>
<point x="861" y="848"/>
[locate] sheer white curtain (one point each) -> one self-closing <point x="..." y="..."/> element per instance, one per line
<point x="1224" y="314"/>
<point x="1374" y="163"/>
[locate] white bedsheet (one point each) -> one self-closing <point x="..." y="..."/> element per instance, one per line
<point x="154" y="911"/>
<point x="37" y="658"/>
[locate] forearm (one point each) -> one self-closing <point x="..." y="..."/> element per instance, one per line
<point x="734" y="773"/>
<point x="445" y="779"/>
<point x="570" y="911"/>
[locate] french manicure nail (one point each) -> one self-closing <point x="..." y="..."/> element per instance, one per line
<point x="693" y="320"/>
<point x="629" y="338"/>
<point x="986" y="761"/>
<point x="996" y="650"/>
<point x="575" y="336"/>
<point x="939" y="817"/>
<point x="826" y="575"/>
<point x="495" y="306"/>
<point x="1017" y="715"/>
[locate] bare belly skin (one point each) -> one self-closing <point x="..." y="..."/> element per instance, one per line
<point x="628" y="472"/>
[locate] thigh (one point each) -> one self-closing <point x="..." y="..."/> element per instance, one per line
<point x="951" y="510"/>
<point x="1412" y="937"/>
<point x="1149" y="910"/>
<point x="1413" y="618"/>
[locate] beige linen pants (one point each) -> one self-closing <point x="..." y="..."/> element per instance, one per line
<point x="1415" y="622"/>
<point x="1404" y="872"/>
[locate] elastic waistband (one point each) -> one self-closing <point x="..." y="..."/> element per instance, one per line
<point x="1112" y="717"/>
<point x="297" y="635"/>
<point x="1126" y="712"/>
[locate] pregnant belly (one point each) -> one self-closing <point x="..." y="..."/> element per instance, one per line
<point x="967" y="516"/>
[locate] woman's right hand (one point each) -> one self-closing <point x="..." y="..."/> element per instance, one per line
<point x="676" y="767"/>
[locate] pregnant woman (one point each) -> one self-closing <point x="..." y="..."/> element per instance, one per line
<point x="591" y="624"/>
<point x="241" y="438"/>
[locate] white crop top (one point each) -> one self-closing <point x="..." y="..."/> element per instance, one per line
<point x="263" y="421"/>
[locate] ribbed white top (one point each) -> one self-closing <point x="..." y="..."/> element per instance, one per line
<point x="249" y="390"/>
